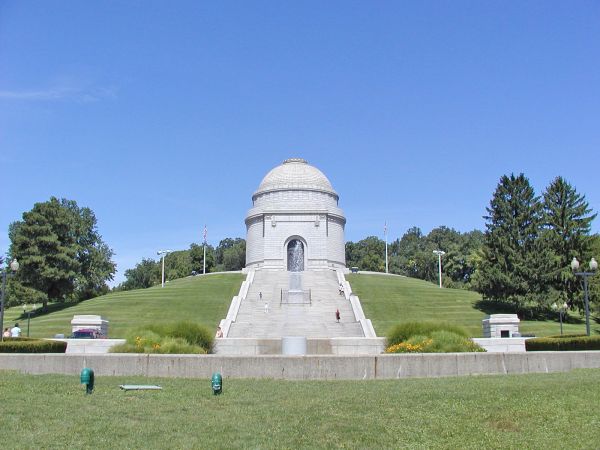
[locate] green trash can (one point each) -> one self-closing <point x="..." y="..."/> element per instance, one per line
<point x="87" y="378"/>
<point x="217" y="383"/>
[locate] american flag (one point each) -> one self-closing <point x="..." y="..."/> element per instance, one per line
<point x="204" y="234"/>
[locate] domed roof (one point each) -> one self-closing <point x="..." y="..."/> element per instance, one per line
<point x="295" y="174"/>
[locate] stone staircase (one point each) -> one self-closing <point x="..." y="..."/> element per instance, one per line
<point x="314" y="320"/>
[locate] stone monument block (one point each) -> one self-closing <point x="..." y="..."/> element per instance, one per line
<point x="501" y="326"/>
<point x="90" y="322"/>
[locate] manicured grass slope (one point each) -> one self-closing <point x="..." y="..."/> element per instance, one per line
<point x="201" y="299"/>
<point x="388" y="300"/>
<point x="515" y="411"/>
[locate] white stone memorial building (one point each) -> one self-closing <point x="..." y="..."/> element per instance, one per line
<point x="295" y="222"/>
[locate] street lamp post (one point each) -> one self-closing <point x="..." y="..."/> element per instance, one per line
<point x="585" y="275"/>
<point x="561" y="310"/>
<point x="439" y="253"/>
<point x="14" y="266"/>
<point x="163" y="253"/>
<point x="28" y="316"/>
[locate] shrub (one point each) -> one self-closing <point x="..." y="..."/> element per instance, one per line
<point x="30" y="345"/>
<point x="438" y="342"/>
<point x="416" y="344"/>
<point x="563" y="343"/>
<point x="177" y="346"/>
<point x="450" y="342"/>
<point x="193" y="333"/>
<point x="177" y="338"/>
<point x="401" y="333"/>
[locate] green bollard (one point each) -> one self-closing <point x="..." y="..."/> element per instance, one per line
<point x="87" y="378"/>
<point x="217" y="383"/>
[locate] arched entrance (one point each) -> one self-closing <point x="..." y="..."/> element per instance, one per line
<point x="295" y="256"/>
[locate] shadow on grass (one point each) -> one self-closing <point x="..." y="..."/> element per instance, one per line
<point x="50" y="308"/>
<point x="524" y="313"/>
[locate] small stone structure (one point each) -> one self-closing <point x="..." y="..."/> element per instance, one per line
<point x="501" y="326"/>
<point x="90" y="322"/>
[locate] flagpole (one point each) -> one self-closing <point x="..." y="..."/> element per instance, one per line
<point x="204" y="257"/>
<point x="386" y="247"/>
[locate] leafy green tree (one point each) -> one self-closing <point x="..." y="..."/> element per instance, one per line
<point x="178" y="264"/>
<point x="197" y="258"/>
<point x="145" y="274"/>
<point x="367" y="254"/>
<point x="567" y="223"/>
<point x="511" y="268"/>
<point x="94" y="256"/>
<point x="406" y="258"/>
<point x="234" y="257"/>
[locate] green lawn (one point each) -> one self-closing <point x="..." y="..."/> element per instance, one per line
<point x="516" y="411"/>
<point x="389" y="300"/>
<point x="202" y="299"/>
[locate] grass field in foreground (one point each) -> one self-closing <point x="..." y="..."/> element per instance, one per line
<point x="201" y="299"/>
<point x="388" y="300"/>
<point x="515" y="411"/>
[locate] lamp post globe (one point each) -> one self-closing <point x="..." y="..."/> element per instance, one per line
<point x="574" y="264"/>
<point x="163" y="254"/>
<point x="593" y="265"/>
<point x="14" y="266"/>
<point x="439" y="254"/>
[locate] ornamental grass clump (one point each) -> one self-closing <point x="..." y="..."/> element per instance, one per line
<point x="177" y="338"/>
<point x="430" y="337"/>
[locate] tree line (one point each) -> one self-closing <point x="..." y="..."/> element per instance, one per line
<point x="412" y="255"/>
<point x="230" y="254"/>
<point x="521" y="260"/>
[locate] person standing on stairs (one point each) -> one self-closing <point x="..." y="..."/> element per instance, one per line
<point x="337" y="315"/>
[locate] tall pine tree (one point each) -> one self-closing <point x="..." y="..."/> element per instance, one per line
<point x="567" y="222"/>
<point x="511" y="268"/>
<point x="60" y="252"/>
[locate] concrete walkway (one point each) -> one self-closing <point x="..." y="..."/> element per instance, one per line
<point x="316" y="319"/>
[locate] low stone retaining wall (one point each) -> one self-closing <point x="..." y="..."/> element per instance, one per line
<point x="90" y="345"/>
<point x="314" y="346"/>
<point x="502" y="345"/>
<point x="303" y="367"/>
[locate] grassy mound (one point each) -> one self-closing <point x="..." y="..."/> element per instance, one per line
<point x="386" y="300"/>
<point x="389" y="300"/>
<point x="203" y="300"/>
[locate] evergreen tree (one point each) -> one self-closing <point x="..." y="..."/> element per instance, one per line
<point x="61" y="253"/>
<point x="567" y="224"/>
<point x="511" y="268"/>
<point x="46" y="250"/>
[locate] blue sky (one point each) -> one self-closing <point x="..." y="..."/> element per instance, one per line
<point x="165" y="116"/>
